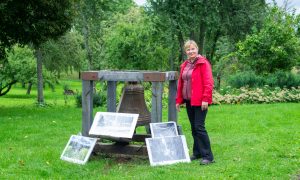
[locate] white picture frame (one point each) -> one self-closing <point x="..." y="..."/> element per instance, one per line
<point x="78" y="149"/>
<point x="163" y="129"/>
<point x="112" y="124"/>
<point x="167" y="150"/>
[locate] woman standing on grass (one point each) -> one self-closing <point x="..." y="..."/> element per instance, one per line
<point x="195" y="86"/>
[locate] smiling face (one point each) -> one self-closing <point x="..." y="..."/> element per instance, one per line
<point x="191" y="51"/>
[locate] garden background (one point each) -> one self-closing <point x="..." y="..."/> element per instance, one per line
<point x="253" y="48"/>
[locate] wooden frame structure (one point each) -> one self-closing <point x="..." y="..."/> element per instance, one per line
<point x="112" y="77"/>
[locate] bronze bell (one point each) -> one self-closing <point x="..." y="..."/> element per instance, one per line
<point x="133" y="101"/>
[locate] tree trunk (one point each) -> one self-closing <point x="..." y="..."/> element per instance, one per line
<point x="193" y="35"/>
<point x="218" y="81"/>
<point x="171" y="60"/>
<point x="181" y="43"/>
<point x="85" y="31"/>
<point x="213" y="48"/>
<point x="172" y="55"/>
<point x="29" y="88"/>
<point x="202" y="37"/>
<point x="6" y="87"/>
<point x="23" y="84"/>
<point x="39" y="62"/>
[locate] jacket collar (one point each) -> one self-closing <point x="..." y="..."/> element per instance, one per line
<point x="200" y="60"/>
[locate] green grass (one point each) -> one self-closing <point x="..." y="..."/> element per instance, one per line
<point x="258" y="141"/>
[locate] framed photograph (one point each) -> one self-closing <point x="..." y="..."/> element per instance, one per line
<point x="163" y="129"/>
<point x="78" y="149"/>
<point x="111" y="124"/>
<point x="167" y="150"/>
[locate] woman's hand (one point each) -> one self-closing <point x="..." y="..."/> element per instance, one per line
<point x="204" y="106"/>
<point x="178" y="107"/>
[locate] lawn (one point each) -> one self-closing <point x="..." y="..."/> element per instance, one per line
<point x="257" y="141"/>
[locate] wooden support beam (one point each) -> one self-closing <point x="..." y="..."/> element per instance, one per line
<point x="115" y="148"/>
<point x="111" y="96"/>
<point x="172" y="112"/>
<point x="156" y="112"/>
<point x="140" y="137"/>
<point x="87" y="106"/>
<point x="90" y="75"/>
<point x="154" y="77"/>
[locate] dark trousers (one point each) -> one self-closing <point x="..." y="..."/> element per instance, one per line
<point x="201" y="147"/>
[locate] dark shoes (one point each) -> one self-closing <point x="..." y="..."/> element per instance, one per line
<point x="206" y="162"/>
<point x="203" y="161"/>
<point x="193" y="157"/>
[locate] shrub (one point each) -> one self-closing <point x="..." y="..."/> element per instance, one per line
<point x="283" y="79"/>
<point x="243" y="79"/>
<point x="99" y="99"/>
<point x="250" y="79"/>
<point x="258" y="95"/>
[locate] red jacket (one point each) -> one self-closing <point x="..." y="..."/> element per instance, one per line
<point x="202" y="83"/>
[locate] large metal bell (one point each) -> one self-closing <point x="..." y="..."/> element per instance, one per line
<point x="133" y="101"/>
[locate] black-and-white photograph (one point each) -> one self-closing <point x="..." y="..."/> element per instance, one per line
<point x="114" y="124"/>
<point x="163" y="129"/>
<point x="167" y="150"/>
<point x="78" y="149"/>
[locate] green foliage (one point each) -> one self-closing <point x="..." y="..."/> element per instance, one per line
<point x="99" y="100"/>
<point x="20" y="66"/>
<point x="274" y="47"/>
<point x="33" y="21"/>
<point x="133" y="43"/>
<point x="207" y="21"/>
<point x="99" y="97"/>
<point x="64" y="54"/>
<point x="283" y="80"/>
<point x="278" y="79"/>
<point x="91" y="18"/>
<point x="248" y="78"/>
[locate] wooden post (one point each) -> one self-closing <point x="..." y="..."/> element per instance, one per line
<point x="156" y="112"/>
<point x="111" y="96"/>
<point x="87" y="106"/>
<point x="172" y="113"/>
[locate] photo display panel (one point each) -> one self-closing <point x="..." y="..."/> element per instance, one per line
<point x="167" y="150"/>
<point x="78" y="149"/>
<point x="163" y="129"/>
<point x="114" y="124"/>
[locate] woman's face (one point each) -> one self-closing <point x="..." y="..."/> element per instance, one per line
<point x="191" y="51"/>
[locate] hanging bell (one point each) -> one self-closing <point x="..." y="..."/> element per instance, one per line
<point x="133" y="101"/>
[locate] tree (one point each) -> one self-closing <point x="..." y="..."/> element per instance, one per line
<point x="207" y="21"/>
<point x="64" y="54"/>
<point x="91" y="18"/>
<point x="275" y="47"/>
<point x="132" y="42"/>
<point x="34" y="22"/>
<point x="20" y="66"/>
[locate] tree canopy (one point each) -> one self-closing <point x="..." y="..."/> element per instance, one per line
<point x="207" y="21"/>
<point x="33" y="21"/>
<point x="274" y="47"/>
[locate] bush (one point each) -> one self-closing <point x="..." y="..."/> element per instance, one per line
<point x="283" y="79"/>
<point x="243" y="79"/>
<point x="250" y="79"/>
<point x="258" y="95"/>
<point x="99" y="99"/>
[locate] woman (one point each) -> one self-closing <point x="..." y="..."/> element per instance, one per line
<point x="195" y="86"/>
